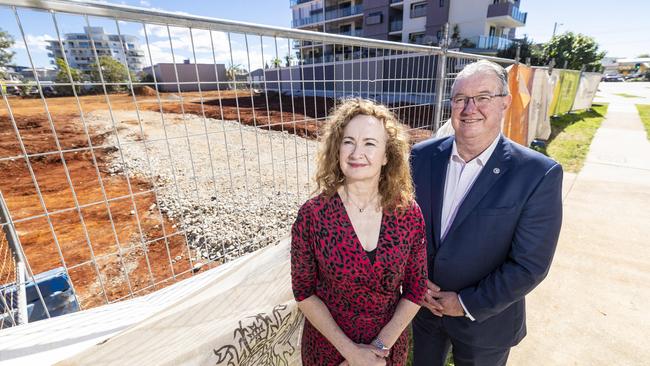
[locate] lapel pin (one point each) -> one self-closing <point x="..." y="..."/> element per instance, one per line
<point x="496" y="170"/>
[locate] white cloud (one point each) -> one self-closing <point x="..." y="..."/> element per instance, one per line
<point x="35" y="43"/>
<point x="159" y="44"/>
<point x="145" y="3"/>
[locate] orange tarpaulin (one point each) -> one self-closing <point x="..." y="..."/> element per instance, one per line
<point x="515" y="122"/>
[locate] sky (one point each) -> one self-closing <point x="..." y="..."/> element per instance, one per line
<point x="621" y="28"/>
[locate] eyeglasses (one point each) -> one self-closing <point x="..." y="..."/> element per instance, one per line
<point x="480" y="100"/>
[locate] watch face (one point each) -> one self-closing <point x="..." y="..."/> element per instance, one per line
<point x="379" y="344"/>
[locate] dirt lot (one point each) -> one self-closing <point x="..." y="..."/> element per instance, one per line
<point x="74" y="236"/>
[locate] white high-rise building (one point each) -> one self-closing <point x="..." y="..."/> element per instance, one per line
<point x="79" y="51"/>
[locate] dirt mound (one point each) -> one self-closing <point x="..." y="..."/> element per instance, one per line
<point x="143" y="90"/>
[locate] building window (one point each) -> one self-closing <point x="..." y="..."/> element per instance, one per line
<point x="442" y="3"/>
<point x="417" y="38"/>
<point x="374" y="18"/>
<point x="418" y="9"/>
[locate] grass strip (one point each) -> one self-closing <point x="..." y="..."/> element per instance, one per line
<point x="626" y="95"/>
<point x="571" y="135"/>
<point x="644" y="113"/>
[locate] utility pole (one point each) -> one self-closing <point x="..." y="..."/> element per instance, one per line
<point x="555" y="28"/>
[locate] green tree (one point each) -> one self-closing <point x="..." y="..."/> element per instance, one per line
<point x="576" y="49"/>
<point x="455" y="40"/>
<point x="276" y="62"/>
<point x="528" y="49"/>
<point x="6" y="42"/>
<point x="63" y="76"/>
<point x="232" y="72"/>
<point x="113" y="71"/>
<point x="644" y="55"/>
<point x="288" y="59"/>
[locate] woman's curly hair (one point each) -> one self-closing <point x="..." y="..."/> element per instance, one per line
<point x="395" y="184"/>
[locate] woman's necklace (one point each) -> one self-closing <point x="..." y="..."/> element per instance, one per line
<point x="361" y="209"/>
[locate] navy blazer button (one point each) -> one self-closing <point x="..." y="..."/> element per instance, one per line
<point x="496" y="170"/>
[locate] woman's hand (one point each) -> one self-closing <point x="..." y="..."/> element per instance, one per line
<point x="366" y="355"/>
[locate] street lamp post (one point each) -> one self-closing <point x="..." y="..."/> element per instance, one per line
<point x="555" y="27"/>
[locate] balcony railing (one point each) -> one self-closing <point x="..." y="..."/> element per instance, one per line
<point x="316" y="18"/>
<point x="490" y="42"/>
<point x="353" y="33"/>
<point x="297" y="2"/>
<point x="343" y="12"/>
<point x="507" y="9"/>
<point x="395" y="25"/>
<point x="419" y="12"/>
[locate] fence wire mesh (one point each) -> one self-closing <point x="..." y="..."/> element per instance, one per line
<point x="165" y="144"/>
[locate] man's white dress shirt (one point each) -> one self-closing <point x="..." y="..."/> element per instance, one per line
<point x="461" y="175"/>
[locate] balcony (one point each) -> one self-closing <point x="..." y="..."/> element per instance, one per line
<point x="304" y="44"/>
<point x="490" y="43"/>
<point x="353" y="33"/>
<point x="298" y="2"/>
<point x="395" y="25"/>
<point x="506" y="14"/>
<point x="316" y="18"/>
<point x="335" y="14"/>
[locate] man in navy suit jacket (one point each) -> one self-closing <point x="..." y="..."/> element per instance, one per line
<point x="493" y="211"/>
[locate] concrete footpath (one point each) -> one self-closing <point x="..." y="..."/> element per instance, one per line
<point x="594" y="306"/>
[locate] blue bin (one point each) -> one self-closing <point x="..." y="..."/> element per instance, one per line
<point x="56" y="291"/>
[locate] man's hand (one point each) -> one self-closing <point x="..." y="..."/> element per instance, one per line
<point x="442" y="302"/>
<point x="450" y="304"/>
<point x="430" y="301"/>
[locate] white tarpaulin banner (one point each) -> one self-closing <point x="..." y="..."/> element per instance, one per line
<point x="445" y="130"/>
<point x="539" y="123"/>
<point x="241" y="313"/>
<point x="586" y="90"/>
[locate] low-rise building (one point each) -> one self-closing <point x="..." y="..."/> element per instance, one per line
<point x="211" y="76"/>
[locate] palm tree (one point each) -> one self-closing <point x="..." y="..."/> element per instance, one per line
<point x="276" y="62"/>
<point x="288" y="59"/>
<point x="232" y="71"/>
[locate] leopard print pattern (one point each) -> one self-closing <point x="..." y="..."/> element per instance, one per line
<point x="327" y="260"/>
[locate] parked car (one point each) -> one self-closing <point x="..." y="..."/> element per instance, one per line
<point x="612" y="78"/>
<point x="636" y="75"/>
<point x="12" y="90"/>
<point x="48" y="90"/>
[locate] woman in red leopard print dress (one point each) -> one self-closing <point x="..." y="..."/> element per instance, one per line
<point x="359" y="270"/>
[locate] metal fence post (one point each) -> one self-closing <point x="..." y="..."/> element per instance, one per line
<point x="10" y="233"/>
<point x="518" y="54"/>
<point x="440" y="76"/>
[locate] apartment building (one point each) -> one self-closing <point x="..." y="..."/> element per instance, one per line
<point x="79" y="52"/>
<point x="478" y="26"/>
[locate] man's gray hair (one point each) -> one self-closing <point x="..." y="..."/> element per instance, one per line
<point x="485" y="66"/>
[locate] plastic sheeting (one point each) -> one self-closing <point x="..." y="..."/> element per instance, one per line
<point x="569" y="80"/>
<point x="240" y="313"/>
<point x="586" y="90"/>
<point x="541" y="90"/>
<point x="445" y="130"/>
<point x="515" y="121"/>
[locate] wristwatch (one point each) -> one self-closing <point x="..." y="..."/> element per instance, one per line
<point x="379" y="344"/>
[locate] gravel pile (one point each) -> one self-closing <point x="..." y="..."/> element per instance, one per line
<point x="232" y="188"/>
